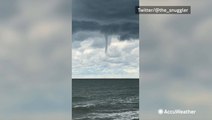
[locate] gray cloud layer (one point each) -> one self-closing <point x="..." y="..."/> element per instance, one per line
<point x="105" y="11"/>
<point x="112" y="17"/>
<point x="125" y="31"/>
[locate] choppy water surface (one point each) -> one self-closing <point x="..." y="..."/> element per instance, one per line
<point x="105" y="99"/>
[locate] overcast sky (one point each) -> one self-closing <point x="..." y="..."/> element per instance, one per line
<point x="93" y="22"/>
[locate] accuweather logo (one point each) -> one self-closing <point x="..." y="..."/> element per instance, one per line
<point x="176" y="112"/>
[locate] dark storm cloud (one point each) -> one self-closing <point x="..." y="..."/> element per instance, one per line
<point x="125" y="30"/>
<point x="84" y="26"/>
<point x="111" y="17"/>
<point x="105" y="11"/>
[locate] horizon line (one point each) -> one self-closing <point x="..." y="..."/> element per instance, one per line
<point x="103" y="78"/>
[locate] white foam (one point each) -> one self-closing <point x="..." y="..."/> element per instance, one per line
<point x="83" y="105"/>
<point x="129" y="115"/>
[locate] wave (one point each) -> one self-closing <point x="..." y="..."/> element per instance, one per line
<point x="104" y="107"/>
<point x="128" y="115"/>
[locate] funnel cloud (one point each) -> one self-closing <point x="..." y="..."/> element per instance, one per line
<point x="106" y="43"/>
